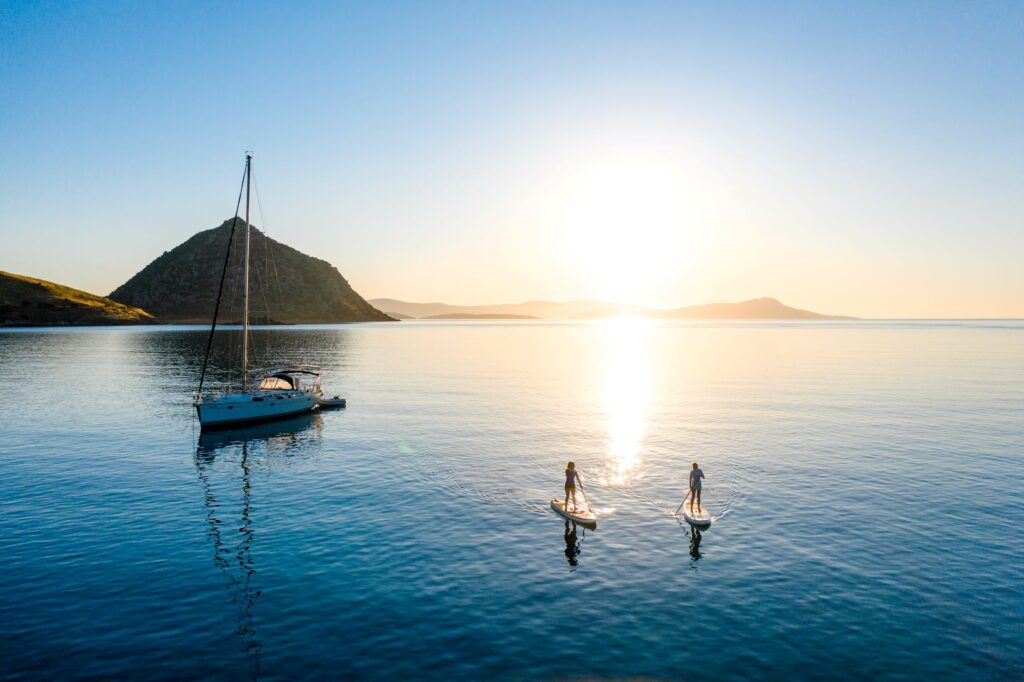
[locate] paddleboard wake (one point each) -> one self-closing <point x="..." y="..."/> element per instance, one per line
<point x="577" y="514"/>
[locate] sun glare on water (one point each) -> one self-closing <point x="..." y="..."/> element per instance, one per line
<point x="627" y="389"/>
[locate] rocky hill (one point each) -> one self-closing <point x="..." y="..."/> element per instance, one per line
<point x="286" y="286"/>
<point x="31" y="302"/>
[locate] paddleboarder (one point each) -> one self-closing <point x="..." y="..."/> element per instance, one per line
<point x="695" y="475"/>
<point x="571" y="476"/>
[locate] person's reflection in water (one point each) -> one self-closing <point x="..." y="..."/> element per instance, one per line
<point x="695" y="538"/>
<point x="572" y="546"/>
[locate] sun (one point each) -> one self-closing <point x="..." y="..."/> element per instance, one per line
<point x="627" y="228"/>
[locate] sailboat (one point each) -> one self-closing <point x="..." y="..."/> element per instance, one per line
<point x="280" y="393"/>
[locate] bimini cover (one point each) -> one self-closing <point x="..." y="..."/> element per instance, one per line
<point x="277" y="382"/>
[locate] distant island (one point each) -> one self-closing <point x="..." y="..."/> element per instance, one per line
<point x="288" y="286"/>
<point x="477" y="316"/>
<point x="753" y="309"/>
<point x="27" y="301"/>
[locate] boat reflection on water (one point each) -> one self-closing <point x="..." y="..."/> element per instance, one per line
<point x="230" y="524"/>
<point x="278" y="436"/>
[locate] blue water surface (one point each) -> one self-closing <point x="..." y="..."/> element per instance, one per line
<point x="865" y="479"/>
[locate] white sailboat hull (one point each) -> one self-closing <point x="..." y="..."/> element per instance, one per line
<point x="252" y="406"/>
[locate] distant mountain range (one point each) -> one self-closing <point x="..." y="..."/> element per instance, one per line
<point x="180" y="286"/>
<point x="472" y="316"/>
<point x="287" y="286"/>
<point x="754" y="309"/>
<point x="27" y="301"/>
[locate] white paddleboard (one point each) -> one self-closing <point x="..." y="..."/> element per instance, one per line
<point x="694" y="516"/>
<point x="578" y="514"/>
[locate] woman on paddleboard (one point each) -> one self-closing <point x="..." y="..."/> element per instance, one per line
<point x="695" y="475"/>
<point x="571" y="476"/>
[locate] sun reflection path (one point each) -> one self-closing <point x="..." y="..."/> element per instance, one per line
<point x="627" y="389"/>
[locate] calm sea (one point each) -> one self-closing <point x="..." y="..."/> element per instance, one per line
<point x="865" y="478"/>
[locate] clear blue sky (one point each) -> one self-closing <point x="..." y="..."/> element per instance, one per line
<point x="857" y="158"/>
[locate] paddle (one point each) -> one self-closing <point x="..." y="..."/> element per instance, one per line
<point x="681" y="504"/>
<point x="585" y="499"/>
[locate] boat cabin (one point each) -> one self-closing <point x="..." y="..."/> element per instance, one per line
<point x="278" y="382"/>
<point x="291" y="380"/>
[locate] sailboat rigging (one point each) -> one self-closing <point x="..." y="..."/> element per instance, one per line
<point x="287" y="391"/>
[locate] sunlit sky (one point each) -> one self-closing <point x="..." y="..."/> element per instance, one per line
<point x="856" y="158"/>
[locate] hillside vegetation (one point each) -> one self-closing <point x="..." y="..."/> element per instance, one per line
<point x="287" y="286"/>
<point x="27" y="301"/>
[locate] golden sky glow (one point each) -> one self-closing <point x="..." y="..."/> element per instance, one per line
<point x="672" y="155"/>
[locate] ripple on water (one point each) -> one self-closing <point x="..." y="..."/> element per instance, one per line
<point x="410" y="534"/>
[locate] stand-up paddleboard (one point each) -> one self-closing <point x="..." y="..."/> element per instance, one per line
<point x="696" y="517"/>
<point x="577" y="514"/>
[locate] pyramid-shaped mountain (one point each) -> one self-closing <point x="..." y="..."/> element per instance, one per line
<point x="286" y="286"/>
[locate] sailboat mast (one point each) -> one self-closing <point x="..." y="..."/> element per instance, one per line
<point x="245" y="317"/>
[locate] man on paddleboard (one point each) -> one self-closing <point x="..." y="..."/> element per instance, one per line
<point x="571" y="476"/>
<point x="695" y="475"/>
